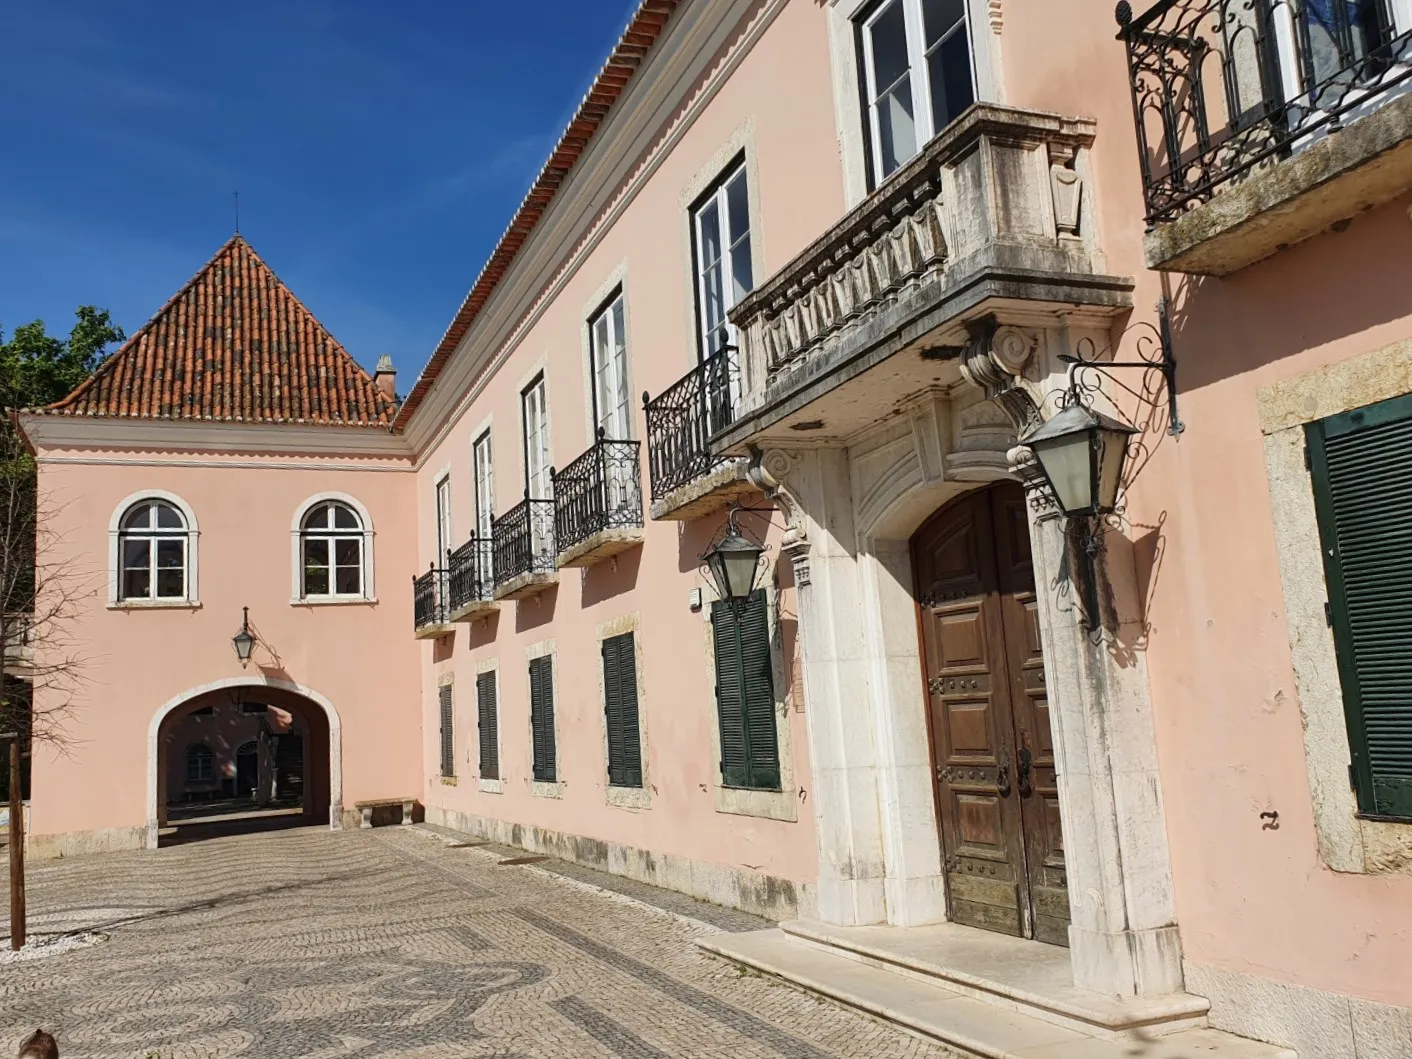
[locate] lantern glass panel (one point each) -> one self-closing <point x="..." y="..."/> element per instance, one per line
<point x="1067" y="461"/>
<point x="1112" y="448"/>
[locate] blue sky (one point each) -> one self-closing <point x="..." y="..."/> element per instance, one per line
<point x="379" y="149"/>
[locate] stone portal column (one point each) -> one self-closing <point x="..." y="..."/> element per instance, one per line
<point x="817" y="500"/>
<point x="1123" y="930"/>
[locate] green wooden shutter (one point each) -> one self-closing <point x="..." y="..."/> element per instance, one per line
<point x="489" y="723"/>
<point x="745" y="694"/>
<point x="541" y="677"/>
<point x="620" y="711"/>
<point x="1361" y="466"/>
<point x="448" y="741"/>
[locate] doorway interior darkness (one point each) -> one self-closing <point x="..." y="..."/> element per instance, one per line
<point x="988" y="717"/>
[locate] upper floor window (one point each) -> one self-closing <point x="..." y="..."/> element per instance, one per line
<point x="153" y="553"/>
<point x="483" y="469"/>
<point x="720" y="230"/>
<point x="331" y="547"/>
<point x="538" y="481"/>
<point x="919" y="75"/>
<point x="444" y="540"/>
<point x="608" y="349"/>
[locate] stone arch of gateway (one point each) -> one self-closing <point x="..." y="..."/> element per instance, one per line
<point x="316" y="723"/>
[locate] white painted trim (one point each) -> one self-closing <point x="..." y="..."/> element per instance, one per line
<point x="335" y="742"/>
<point x="593" y="307"/>
<point x="119" y="461"/>
<point x="192" y="598"/>
<point x="603" y="185"/>
<point x="51" y="431"/>
<point x="296" y="582"/>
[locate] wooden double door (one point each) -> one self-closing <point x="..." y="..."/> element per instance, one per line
<point x="992" y="747"/>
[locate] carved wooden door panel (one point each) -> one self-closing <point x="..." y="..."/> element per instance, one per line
<point x="992" y="749"/>
<point x="972" y="732"/>
<point x="1035" y="775"/>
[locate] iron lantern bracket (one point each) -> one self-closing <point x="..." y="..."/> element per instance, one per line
<point x="1164" y="362"/>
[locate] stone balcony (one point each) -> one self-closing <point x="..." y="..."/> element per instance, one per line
<point x="992" y="221"/>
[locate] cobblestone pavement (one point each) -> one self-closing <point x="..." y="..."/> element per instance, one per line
<point x="390" y="942"/>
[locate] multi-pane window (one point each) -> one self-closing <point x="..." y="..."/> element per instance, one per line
<point x="488" y="720"/>
<point x="620" y="711"/>
<point x="200" y="764"/>
<point x="1361" y="466"/>
<point x="537" y="458"/>
<point x="745" y="694"/>
<point x="483" y="470"/>
<point x="919" y="75"/>
<point x="152" y="552"/>
<point x="720" y="228"/>
<point x="446" y="704"/>
<point x="608" y="348"/>
<point x="331" y="549"/>
<point x="444" y="542"/>
<point x="541" y="682"/>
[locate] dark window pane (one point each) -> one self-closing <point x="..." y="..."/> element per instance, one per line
<point x="939" y="16"/>
<point x="136" y="553"/>
<point x="136" y="583"/>
<point x="167" y="517"/>
<point x="897" y="130"/>
<point x="347" y="580"/>
<point x="170" y="584"/>
<point x="315" y="552"/>
<point x="138" y="517"/>
<point x="950" y="71"/>
<point x="738" y="205"/>
<point x="345" y="552"/>
<point x="740" y="270"/>
<point x="889" y="39"/>
<point x="171" y="554"/>
<point x="343" y="518"/>
<point x="316" y="580"/>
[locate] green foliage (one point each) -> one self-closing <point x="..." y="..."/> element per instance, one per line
<point x="37" y="368"/>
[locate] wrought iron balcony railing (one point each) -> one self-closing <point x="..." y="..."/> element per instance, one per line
<point x="600" y="490"/>
<point x="429" y="598"/>
<point x="524" y="540"/>
<point x="1221" y="86"/>
<point x="682" y="418"/>
<point x="470" y="573"/>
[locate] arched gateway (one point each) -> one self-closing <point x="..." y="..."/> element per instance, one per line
<point x="988" y="716"/>
<point x="260" y="740"/>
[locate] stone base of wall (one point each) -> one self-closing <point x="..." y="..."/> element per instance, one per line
<point x="1311" y="1021"/>
<point x="762" y="895"/>
<point x="76" y="843"/>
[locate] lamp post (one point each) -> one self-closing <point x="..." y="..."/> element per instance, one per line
<point x="1082" y="454"/>
<point x="734" y="563"/>
<point x="244" y="640"/>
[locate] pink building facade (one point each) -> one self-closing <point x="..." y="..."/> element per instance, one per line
<point x="832" y="262"/>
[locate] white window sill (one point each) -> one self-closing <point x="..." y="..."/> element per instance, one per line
<point x="767" y="805"/>
<point x="490" y="786"/>
<point x="541" y="789"/>
<point x="156" y="604"/>
<point x="334" y="601"/>
<point x="629" y="797"/>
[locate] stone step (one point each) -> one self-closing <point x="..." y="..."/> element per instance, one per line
<point x="1029" y="976"/>
<point x="975" y="1028"/>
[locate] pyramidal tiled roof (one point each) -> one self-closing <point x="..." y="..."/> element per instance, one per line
<point x="233" y="345"/>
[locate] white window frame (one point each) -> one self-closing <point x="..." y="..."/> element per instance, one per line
<point x="445" y="527"/>
<point x="483" y="483"/>
<point x="720" y="197"/>
<point x="190" y="597"/>
<point x="539" y="459"/>
<point x="296" y="553"/>
<point x="919" y="74"/>
<point x="608" y="369"/>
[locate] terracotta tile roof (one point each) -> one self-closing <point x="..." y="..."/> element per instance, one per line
<point x="233" y="345"/>
<point x="643" y="29"/>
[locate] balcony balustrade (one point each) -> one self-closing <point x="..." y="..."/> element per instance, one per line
<point x="1225" y="92"/>
<point x="430" y="600"/>
<point x="470" y="575"/>
<point x="598" y="503"/>
<point x="687" y="478"/>
<point x="525" y="558"/>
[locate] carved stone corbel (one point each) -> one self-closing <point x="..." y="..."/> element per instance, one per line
<point x="995" y="359"/>
<point x="768" y="471"/>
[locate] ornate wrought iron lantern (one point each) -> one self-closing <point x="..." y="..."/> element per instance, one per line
<point x="734" y="563"/>
<point x="1082" y="454"/>
<point x="244" y="639"/>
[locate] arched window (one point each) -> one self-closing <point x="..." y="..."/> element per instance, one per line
<point x="153" y="540"/>
<point x="331" y="542"/>
<point x="200" y="764"/>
